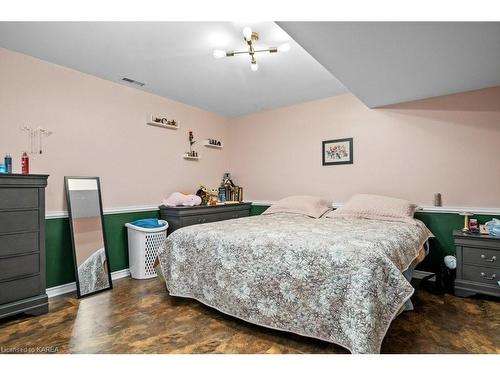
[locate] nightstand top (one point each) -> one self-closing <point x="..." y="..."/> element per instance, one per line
<point x="459" y="233"/>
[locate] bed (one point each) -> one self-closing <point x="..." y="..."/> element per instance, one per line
<point x="336" y="280"/>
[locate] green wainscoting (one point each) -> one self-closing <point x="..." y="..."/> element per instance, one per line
<point x="59" y="252"/>
<point x="60" y="269"/>
<point x="440" y="224"/>
<point x="257" y="209"/>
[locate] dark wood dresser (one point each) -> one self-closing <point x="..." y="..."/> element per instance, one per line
<point x="179" y="217"/>
<point x="22" y="244"/>
<point x="478" y="264"/>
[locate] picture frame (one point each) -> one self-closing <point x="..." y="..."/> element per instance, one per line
<point x="337" y="151"/>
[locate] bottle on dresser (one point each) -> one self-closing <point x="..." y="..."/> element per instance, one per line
<point x="8" y="164"/>
<point x="25" y="163"/>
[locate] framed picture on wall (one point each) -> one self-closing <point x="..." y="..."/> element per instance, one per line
<point x="337" y="151"/>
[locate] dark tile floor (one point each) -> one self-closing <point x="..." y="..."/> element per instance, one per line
<point x="138" y="316"/>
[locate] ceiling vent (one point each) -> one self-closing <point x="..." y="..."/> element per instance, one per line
<point x="133" y="81"/>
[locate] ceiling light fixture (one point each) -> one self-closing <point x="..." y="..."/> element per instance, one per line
<point x="251" y="37"/>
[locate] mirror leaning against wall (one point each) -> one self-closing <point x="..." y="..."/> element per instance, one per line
<point x="83" y="196"/>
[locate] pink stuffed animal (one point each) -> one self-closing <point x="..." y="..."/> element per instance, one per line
<point x="179" y="199"/>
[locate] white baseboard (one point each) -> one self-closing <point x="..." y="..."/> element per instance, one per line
<point x="71" y="287"/>
<point x="106" y="211"/>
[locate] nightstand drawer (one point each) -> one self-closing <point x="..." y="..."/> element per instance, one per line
<point x="483" y="275"/>
<point x="482" y="257"/>
<point x="19" y="266"/>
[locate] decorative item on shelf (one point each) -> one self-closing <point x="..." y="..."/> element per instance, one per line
<point x="337" y="151"/>
<point x="483" y="229"/>
<point x="466" y="215"/>
<point x="492" y="227"/>
<point x="473" y="226"/>
<point x="203" y="194"/>
<point x="181" y="199"/>
<point x="212" y="200"/>
<point x="35" y="139"/>
<point x="228" y="191"/>
<point x="208" y="196"/>
<point x="213" y="143"/>
<point x="250" y="38"/>
<point x="191" y="154"/>
<point x="438" y="202"/>
<point x="162" y="122"/>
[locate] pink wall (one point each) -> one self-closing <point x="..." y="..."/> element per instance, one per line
<point x="100" y="130"/>
<point x="449" y="144"/>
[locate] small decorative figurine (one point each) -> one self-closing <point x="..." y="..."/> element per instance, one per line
<point x="180" y="199"/>
<point x="191" y="152"/>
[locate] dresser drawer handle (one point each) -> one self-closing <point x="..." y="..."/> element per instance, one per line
<point x="492" y="259"/>
<point x="492" y="277"/>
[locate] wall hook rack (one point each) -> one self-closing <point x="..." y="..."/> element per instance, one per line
<point x="35" y="139"/>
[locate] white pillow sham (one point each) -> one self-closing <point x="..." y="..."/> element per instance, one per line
<point x="300" y="204"/>
<point x="378" y="207"/>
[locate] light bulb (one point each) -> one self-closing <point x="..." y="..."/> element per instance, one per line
<point x="218" y="53"/>
<point x="254" y="67"/>
<point x="247" y="33"/>
<point x="285" y="47"/>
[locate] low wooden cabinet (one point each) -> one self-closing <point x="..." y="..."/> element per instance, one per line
<point x="22" y="244"/>
<point x="478" y="264"/>
<point x="178" y="217"/>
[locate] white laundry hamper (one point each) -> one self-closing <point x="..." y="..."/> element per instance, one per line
<point x="143" y="247"/>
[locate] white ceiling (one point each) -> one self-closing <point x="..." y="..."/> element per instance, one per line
<point x="385" y="63"/>
<point x="175" y="60"/>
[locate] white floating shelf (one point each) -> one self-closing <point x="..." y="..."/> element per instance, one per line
<point x="161" y="125"/>
<point x="151" y="121"/>
<point x="187" y="157"/>
<point x="206" y="144"/>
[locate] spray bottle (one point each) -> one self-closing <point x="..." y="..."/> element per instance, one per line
<point x="8" y="164"/>
<point x="25" y="163"/>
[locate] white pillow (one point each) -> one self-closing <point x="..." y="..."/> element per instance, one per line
<point x="377" y="207"/>
<point x="300" y="204"/>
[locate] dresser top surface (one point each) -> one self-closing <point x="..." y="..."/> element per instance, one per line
<point x="240" y="205"/>
<point x="13" y="175"/>
<point x="202" y="210"/>
<point x="475" y="236"/>
<point x="23" y="180"/>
